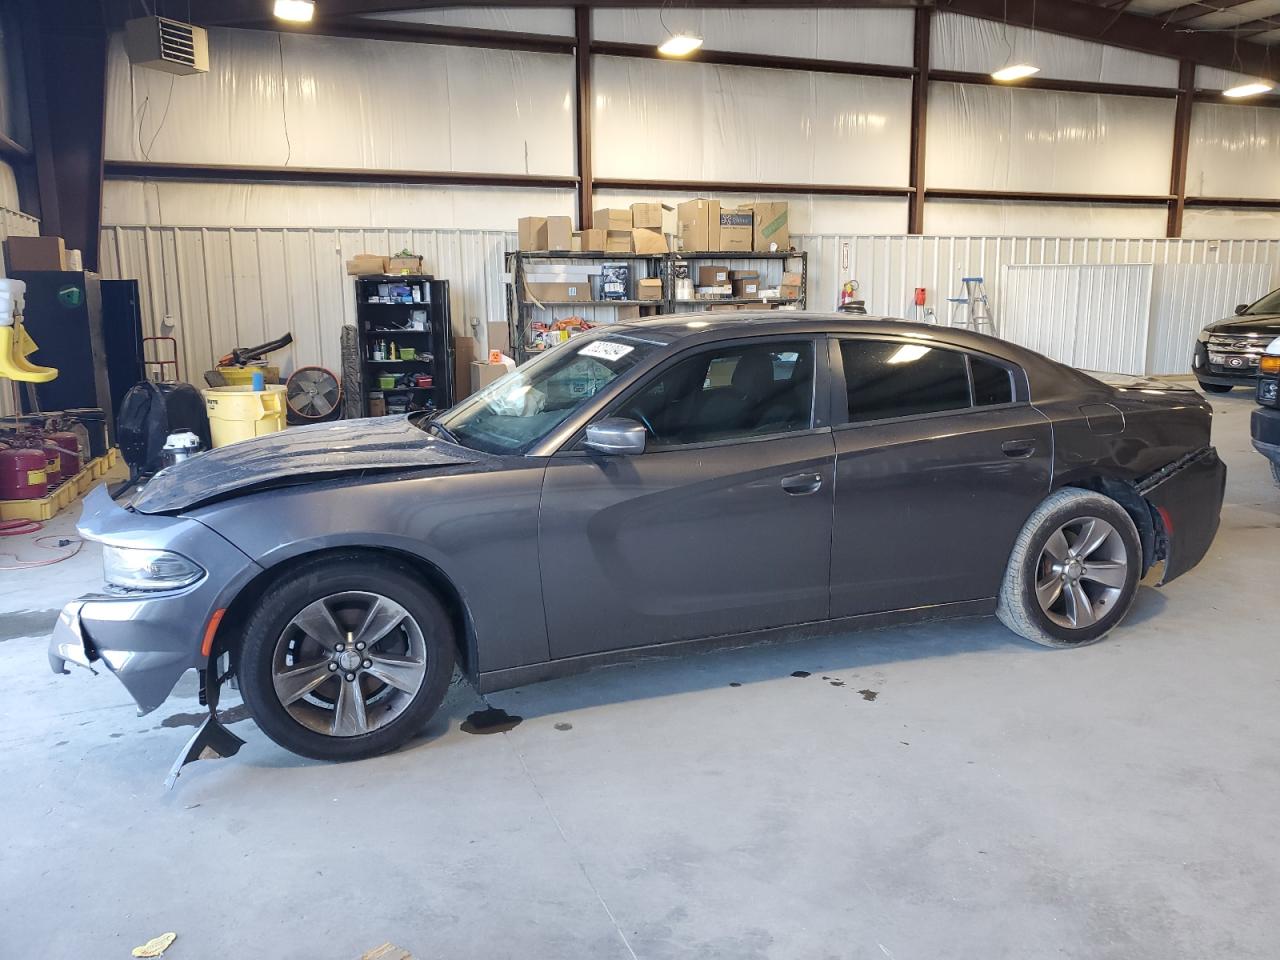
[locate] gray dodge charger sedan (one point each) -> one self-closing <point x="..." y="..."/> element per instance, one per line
<point x="666" y="483"/>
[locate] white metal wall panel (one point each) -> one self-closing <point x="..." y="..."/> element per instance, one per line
<point x="1015" y="218"/>
<point x="1093" y="317"/>
<point x="556" y="21"/>
<point x="1000" y="138"/>
<point x="860" y="36"/>
<point x="1187" y="296"/>
<point x="1210" y="223"/>
<point x="1234" y="151"/>
<point x="176" y="203"/>
<point x="1215" y="78"/>
<point x="218" y="288"/>
<point x="980" y="46"/>
<point x="657" y="119"/>
<point x="285" y="98"/>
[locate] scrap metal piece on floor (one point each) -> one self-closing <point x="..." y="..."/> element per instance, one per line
<point x="211" y="741"/>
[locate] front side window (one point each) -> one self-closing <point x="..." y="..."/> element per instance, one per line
<point x="728" y="393"/>
<point x="1268" y="304"/>
<point x="514" y="413"/>
<point x="885" y="379"/>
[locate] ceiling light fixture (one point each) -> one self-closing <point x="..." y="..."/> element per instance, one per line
<point x="297" y="11"/>
<point x="1251" y="89"/>
<point x="1016" y="71"/>
<point x="679" y="45"/>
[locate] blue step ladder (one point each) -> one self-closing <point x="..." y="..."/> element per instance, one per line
<point x="973" y="310"/>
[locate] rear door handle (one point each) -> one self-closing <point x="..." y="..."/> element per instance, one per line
<point x="801" y="483"/>
<point x="1018" y="449"/>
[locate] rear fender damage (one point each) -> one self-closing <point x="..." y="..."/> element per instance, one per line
<point x="1186" y="502"/>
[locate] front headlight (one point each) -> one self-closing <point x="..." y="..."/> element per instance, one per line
<point x="137" y="569"/>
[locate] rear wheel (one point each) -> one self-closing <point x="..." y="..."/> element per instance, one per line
<point x="1215" y="387"/>
<point x="1073" y="572"/>
<point x="346" y="658"/>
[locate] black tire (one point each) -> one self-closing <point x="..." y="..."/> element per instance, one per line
<point x="1018" y="607"/>
<point x="1215" y="387"/>
<point x="323" y="577"/>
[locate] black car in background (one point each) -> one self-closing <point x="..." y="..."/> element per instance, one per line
<point x="1265" y="423"/>
<point x="1226" y="353"/>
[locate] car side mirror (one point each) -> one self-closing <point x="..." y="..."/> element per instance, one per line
<point x="1241" y="308"/>
<point x="616" y="435"/>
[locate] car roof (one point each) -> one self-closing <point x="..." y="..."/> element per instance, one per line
<point x="712" y="326"/>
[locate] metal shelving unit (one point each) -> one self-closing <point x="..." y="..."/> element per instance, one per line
<point x="376" y="321"/>
<point x="523" y="312"/>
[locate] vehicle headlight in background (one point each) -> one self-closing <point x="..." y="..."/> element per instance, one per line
<point x="137" y="569"/>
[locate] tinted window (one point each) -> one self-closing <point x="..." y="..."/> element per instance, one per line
<point x="902" y="379"/>
<point x="991" y="382"/>
<point x="731" y="392"/>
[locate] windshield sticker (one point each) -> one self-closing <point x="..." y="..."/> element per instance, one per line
<point x="605" y="350"/>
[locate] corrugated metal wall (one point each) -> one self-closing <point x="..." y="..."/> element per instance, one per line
<point x="219" y="287"/>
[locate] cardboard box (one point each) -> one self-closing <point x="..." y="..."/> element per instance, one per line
<point x="746" y="288"/>
<point x="531" y="233"/>
<point x="772" y="227"/>
<point x="615" y="219"/>
<point x="649" y="288"/>
<point x="362" y="265"/>
<point x="791" y="279"/>
<point x="558" y="234"/>
<point x="464" y="352"/>
<point x="711" y="275"/>
<point x="35" y="253"/>
<point x="405" y="265"/>
<point x="617" y="241"/>
<point x="648" y="241"/>
<point x="649" y="216"/>
<point x="789" y="291"/>
<point x="575" y="243"/>
<point x="625" y="313"/>
<point x="499" y="335"/>
<point x="547" y="292"/>
<point x="699" y="225"/>
<point x="74" y="261"/>
<point x="591" y="241"/>
<point x="483" y="374"/>
<point x="736" y="228"/>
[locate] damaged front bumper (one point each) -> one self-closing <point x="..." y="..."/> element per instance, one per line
<point x="148" y="639"/>
<point x="1187" y="495"/>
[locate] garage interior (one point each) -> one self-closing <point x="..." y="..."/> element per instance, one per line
<point x="281" y="216"/>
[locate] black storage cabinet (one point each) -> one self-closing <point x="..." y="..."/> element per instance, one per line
<point x="377" y="320"/>
<point x="90" y="330"/>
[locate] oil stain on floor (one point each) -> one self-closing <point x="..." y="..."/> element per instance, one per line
<point x="27" y="623"/>
<point x="230" y="715"/>
<point x="491" y="720"/>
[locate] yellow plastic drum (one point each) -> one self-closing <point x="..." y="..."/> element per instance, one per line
<point x="243" y="376"/>
<point x="242" y="413"/>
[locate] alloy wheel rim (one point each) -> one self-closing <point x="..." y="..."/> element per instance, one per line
<point x="1081" y="573"/>
<point x="349" y="663"/>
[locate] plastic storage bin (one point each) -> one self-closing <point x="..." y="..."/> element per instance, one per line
<point x="241" y="413"/>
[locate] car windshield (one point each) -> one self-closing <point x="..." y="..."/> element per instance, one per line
<point x="515" y="412"/>
<point x="1268" y="304"/>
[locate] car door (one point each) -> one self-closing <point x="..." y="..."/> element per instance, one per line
<point x="722" y="525"/>
<point x="939" y="462"/>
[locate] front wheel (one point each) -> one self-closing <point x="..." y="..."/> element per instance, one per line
<point x="1073" y="572"/>
<point x="346" y="658"/>
<point x="1215" y="387"/>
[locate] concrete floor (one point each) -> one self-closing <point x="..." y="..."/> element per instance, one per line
<point x="928" y="792"/>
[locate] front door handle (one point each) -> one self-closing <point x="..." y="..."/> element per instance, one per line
<point x="801" y="483"/>
<point x="1018" y="449"/>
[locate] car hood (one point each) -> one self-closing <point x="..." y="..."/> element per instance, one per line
<point x="1263" y="323"/>
<point x="298" y="455"/>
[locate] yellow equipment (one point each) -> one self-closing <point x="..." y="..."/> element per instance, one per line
<point x="15" y="343"/>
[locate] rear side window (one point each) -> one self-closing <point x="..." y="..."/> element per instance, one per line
<point x="992" y="383"/>
<point x="902" y="379"/>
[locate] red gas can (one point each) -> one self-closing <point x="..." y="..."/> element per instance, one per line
<point x="68" y="445"/>
<point x="52" y="463"/>
<point x="22" y="475"/>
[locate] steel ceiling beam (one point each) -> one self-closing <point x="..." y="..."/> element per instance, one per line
<point x="1070" y="18"/>
<point x="1202" y="8"/>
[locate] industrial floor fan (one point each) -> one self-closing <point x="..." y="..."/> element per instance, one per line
<point x="312" y="395"/>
